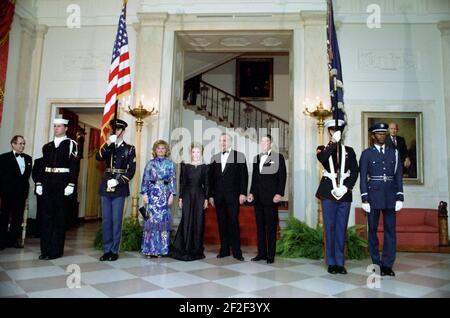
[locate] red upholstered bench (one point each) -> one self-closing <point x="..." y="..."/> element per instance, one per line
<point x="247" y="226"/>
<point x="417" y="229"/>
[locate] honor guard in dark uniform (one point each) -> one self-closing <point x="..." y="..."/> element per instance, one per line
<point x="120" y="159"/>
<point x="381" y="187"/>
<point x="55" y="183"/>
<point x="335" y="193"/>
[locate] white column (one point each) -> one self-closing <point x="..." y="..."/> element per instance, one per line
<point x="147" y="79"/>
<point x="34" y="80"/>
<point x="310" y="79"/>
<point x="444" y="27"/>
<point x="23" y="78"/>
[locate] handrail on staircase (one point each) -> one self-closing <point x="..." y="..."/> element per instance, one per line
<point x="245" y="102"/>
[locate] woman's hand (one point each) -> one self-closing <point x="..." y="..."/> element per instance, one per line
<point x="145" y="198"/>
<point x="205" y="204"/>
<point x="180" y="203"/>
<point x="170" y="201"/>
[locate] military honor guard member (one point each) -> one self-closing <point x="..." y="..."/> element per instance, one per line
<point x="335" y="193"/>
<point x="267" y="189"/>
<point x="381" y="186"/>
<point x="55" y="183"/>
<point x="120" y="159"/>
<point x="15" y="170"/>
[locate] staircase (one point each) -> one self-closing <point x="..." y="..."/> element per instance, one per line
<point x="230" y="111"/>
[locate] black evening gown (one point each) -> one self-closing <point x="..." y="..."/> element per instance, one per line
<point x="188" y="243"/>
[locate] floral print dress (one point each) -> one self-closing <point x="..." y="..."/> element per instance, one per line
<point x="158" y="182"/>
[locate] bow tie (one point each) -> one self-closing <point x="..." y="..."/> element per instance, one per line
<point x="224" y="152"/>
<point x="19" y="155"/>
<point x="265" y="154"/>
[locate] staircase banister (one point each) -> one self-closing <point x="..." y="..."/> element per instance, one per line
<point x="245" y="102"/>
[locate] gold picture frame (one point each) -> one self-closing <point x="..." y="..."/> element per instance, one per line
<point x="254" y="79"/>
<point x="411" y="129"/>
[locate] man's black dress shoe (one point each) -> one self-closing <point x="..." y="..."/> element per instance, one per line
<point x="332" y="269"/>
<point x="220" y="255"/>
<point x="43" y="257"/>
<point x="239" y="258"/>
<point x="270" y="260"/>
<point x="113" y="257"/>
<point x="341" y="270"/>
<point x="54" y="257"/>
<point x="258" y="258"/>
<point x="387" y="271"/>
<point x="17" y="245"/>
<point x="105" y="257"/>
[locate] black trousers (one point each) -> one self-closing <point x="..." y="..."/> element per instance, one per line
<point x="11" y="212"/>
<point x="266" y="229"/>
<point x="53" y="220"/>
<point x="228" y="221"/>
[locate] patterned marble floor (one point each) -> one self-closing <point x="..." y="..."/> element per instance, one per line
<point x="23" y="275"/>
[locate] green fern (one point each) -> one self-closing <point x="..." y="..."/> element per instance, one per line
<point x="299" y="240"/>
<point x="356" y="245"/>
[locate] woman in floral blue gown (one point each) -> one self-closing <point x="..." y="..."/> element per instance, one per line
<point x="158" y="189"/>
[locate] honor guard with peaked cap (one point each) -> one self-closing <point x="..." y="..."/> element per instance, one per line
<point x="381" y="185"/>
<point x="120" y="159"/>
<point x="335" y="192"/>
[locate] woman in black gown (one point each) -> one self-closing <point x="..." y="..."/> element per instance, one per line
<point x="188" y="243"/>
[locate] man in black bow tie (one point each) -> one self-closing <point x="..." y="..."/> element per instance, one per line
<point x="228" y="190"/>
<point x="15" y="170"/>
<point x="267" y="189"/>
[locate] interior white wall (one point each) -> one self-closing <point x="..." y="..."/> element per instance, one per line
<point x="75" y="68"/>
<point x="378" y="77"/>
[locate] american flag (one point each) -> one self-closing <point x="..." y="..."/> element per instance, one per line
<point x="334" y="67"/>
<point x="119" y="80"/>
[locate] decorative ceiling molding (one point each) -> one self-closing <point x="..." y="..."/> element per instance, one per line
<point x="235" y="42"/>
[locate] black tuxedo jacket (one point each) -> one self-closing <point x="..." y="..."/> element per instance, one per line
<point x="401" y="146"/>
<point x="271" y="180"/>
<point x="13" y="184"/>
<point x="232" y="182"/>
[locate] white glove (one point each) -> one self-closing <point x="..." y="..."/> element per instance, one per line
<point x="337" y="135"/>
<point x="339" y="192"/>
<point x="39" y="190"/>
<point x="112" y="138"/>
<point x="112" y="183"/>
<point x="68" y="190"/>
<point x="398" y="205"/>
<point x="366" y="207"/>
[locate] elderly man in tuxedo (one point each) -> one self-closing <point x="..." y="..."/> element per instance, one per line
<point x="395" y="141"/>
<point x="15" y="170"/>
<point x="228" y="190"/>
<point x="267" y="189"/>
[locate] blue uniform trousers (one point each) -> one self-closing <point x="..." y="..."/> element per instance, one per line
<point x="112" y="215"/>
<point x="335" y="219"/>
<point x="389" y="246"/>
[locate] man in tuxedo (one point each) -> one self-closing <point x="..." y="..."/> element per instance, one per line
<point x="15" y="170"/>
<point x="228" y="189"/>
<point x="267" y="189"/>
<point x="395" y="141"/>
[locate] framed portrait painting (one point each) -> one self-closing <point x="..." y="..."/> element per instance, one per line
<point x="254" y="78"/>
<point x="405" y="133"/>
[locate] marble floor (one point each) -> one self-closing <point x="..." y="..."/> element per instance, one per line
<point x="23" y="275"/>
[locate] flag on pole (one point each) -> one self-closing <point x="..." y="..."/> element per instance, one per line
<point x="334" y="67"/>
<point x="119" y="80"/>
